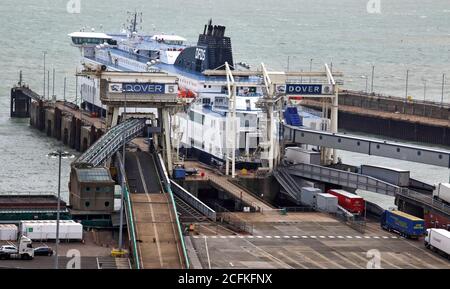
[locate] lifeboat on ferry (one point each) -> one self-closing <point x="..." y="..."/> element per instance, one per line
<point x="186" y="94"/>
<point x="295" y="99"/>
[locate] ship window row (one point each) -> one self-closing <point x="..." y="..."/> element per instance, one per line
<point x="196" y="117"/>
<point x="84" y="40"/>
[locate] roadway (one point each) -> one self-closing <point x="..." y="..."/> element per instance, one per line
<point x="156" y="229"/>
<point x="310" y="241"/>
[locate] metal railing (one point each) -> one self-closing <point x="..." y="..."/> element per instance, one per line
<point x="129" y="214"/>
<point x="166" y="181"/>
<point x="425" y="199"/>
<point x="193" y="201"/>
<point x="343" y="178"/>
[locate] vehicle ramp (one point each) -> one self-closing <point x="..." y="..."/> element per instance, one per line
<point x="158" y="241"/>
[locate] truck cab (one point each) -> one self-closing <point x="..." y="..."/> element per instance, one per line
<point x="25" y="251"/>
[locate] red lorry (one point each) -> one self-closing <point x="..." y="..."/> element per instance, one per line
<point x="351" y="202"/>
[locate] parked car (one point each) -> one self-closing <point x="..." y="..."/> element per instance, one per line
<point x="43" y="251"/>
<point x="10" y="249"/>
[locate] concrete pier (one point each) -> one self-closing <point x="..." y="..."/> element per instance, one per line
<point x="65" y="122"/>
<point x="394" y="117"/>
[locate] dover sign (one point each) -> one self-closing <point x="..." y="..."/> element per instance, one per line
<point x="305" y="89"/>
<point x="143" y="88"/>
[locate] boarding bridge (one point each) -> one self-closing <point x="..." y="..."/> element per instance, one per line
<point x="412" y="153"/>
<point x="357" y="181"/>
<point x="111" y="142"/>
<point x="341" y="178"/>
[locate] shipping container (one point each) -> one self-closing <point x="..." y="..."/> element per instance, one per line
<point x="296" y="155"/>
<point x="405" y="224"/>
<point x="179" y="173"/>
<point x="308" y="196"/>
<point x="327" y="202"/>
<point x="8" y="232"/>
<point x="438" y="240"/>
<point x="351" y="202"/>
<point x="442" y="192"/>
<point x="394" y="176"/>
<point x="46" y="230"/>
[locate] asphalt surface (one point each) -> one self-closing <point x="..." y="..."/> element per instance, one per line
<point x="313" y="243"/>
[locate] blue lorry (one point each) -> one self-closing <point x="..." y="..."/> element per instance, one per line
<point x="406" y="225"/>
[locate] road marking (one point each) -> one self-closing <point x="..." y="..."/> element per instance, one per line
<point x="269" y="237"/>
<point x="322" y="237"/>
<point x="310" y="260"/>
<point x="305" y="237"/>
<point x="292" y="260"/>
<point x="376" y="237"/>
<point x="259" y="237"/>
<point x="385" y="237"/>
<point x="232" y="237"/>
<point x="328" y="260"/>
<point x="296" y="237"/>
<point x="394" y="237"/>
<point x="340" y="237"/>
<point x="331" y="237"/>
<point x="270" y="256"/>
<point x="420" y="261"/>
<point x="349" y="237"/>
<point x="286" y="237"/>
<point x="398" y="259"/>
<point x="277" y="237"/>
<point x="367" y="237"/>
<point x="347" y="260"/>
<point x="241" y="237"/>
<point x="250" y="237"/>
<point x="223" y="237"/>
<point x="429" y="253"/>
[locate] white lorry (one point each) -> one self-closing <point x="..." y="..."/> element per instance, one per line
<point x="24" y="252"/>
<point x="438" y="240"/>
<point x="442" y="192"/>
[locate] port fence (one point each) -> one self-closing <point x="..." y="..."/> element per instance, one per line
<point x="226" y="216"/>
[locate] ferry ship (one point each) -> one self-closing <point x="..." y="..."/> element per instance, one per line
<point x="200" y="129"/>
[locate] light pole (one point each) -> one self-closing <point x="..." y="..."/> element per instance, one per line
<point x="443" y="85"/>
<point x="60" y="155"/>
<point x="367" y="79"/>
<point x="424" y="88"/>
<point x="43" y="91"/>
<point x="373" y="74"/>
<point x="123" y="182"/>
<point x="310" y="68"/>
